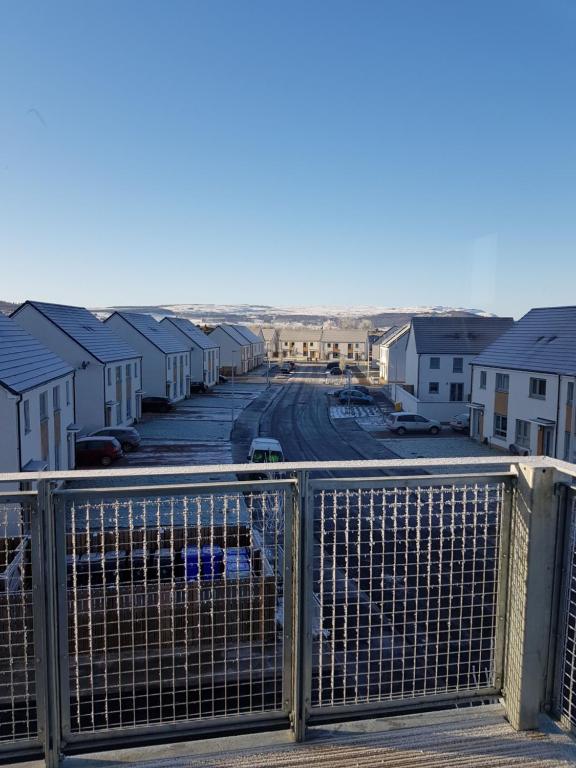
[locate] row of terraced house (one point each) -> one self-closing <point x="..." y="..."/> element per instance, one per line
<point x="315" y="344"/>
<point x="516" y="380"/>
<point x="64" y="372"/>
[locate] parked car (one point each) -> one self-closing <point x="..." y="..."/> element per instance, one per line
<point x="285" y="369"/>
<point x="355" y="396"/>
<point x="335" y="371"/>
<point x="358" y="387"/>
<point x="222" y="379"/>
<point x="332" y="364"/>
<point x="402" y="422"/>
<point x="292" y="365"/>
<point x="198" y="386"/>
<point x="128" y="437"/>
<point x="461" y="423"/>
<point x="156" y="405"/>
<point x="97" y="450"/>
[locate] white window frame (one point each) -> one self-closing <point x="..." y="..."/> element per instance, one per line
<point x="502" y="382"/>
<point x="500" y="431"/>
<point x="26" y="412"/>
<point x="533" y="386"/>
<point x="434" y="367"/>
<point x="522" y="433"/>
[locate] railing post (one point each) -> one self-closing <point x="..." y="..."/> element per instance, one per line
<point x="533" y="543"/>
<point x="303" y="606"/>
<point x="48" y="592"/>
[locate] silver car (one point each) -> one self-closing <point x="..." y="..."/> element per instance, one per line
<point x="402" y="422"/>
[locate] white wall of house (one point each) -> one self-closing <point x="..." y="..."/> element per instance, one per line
<point x="53" y="418"/>
<point x="122" y="382"/>
<point x="300" y="350"/>
<point x="520" y="406"/>
<point x="393" y="361"/>
<point x="177" y="375"/>
<point x="345" y="350"/>
<point x="232" y="353"/>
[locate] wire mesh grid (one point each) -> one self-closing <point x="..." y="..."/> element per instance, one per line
<point x="407" y="582"/>
<point x="568" y="648"/>
<point x="172" y="608"/>
<point x="18" y="715"/>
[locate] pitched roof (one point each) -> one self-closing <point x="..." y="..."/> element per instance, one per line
<point x="544" y="340"/>
<point x="25" y="362"/>
<point x="394" y="334"/>
<point x="345" y="335"/>
<point x="457" y="335"/>
<point x="157" y="334"/>
<point x="191" y="331"/>
<point x="86" y="330"/>
<point x="268" y="334"/>
<point x="300" y="334"/>
<point x="233" y="333"/>
<point x="248" y="334"/>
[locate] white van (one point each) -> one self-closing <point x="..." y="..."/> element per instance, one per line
<point x="265" y="450"/>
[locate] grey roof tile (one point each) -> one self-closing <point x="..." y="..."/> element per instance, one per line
<point x="234" y="334"/>
<point x="25" y="362"/>
<point x="192" y="331"/>
<point x="544" y="340"/>
<point x="247" y="334"/>
<point x="86" y="330"/>
<point x="457" y="335"/>
<point x="157" y="334"/>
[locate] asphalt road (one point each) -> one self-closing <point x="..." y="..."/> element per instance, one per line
<point x="300" y="420"/>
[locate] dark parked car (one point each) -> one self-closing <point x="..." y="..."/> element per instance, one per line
<point x="335" y="371"/>
<point x="285" y="369"/>
<point x="156" y="405"/>
<point x="97" y="450"/>
<point x="223" y="379"/>
<point x="292" y="365"/>
<point x="128" y="437"/>
<point x="333" y="364"/>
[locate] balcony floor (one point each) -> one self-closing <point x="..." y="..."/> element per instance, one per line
<point x="450" y="739"/>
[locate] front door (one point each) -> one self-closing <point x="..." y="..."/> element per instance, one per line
<point x="477" y="424"/>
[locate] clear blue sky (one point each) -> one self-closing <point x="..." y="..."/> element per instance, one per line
<point x="289" y="151"/>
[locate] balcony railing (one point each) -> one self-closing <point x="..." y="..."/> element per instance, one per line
<point x="137" y="605"/>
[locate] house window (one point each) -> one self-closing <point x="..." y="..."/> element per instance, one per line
<point x="356" y="346"/>
<point x="538" y="388"/>
<point x="118" y="374"/>
<point x="570" y="393"/>
<point x="129" y="408"/>
<point x="434" y="363"/>
<point x="458" y="365"/>
<point x="433" y="388"/>
<point x="168" y="388"/>
<point x="43" y="406"/>
<point x="119" y="413"/>
<point x="482" y="379"/>
<point x="329" y="345"/>
<point x="56" y="398"/>
<point x="128" y="371"/>
<point x="502" y="382"/>
<point x="135" y="370"/>
<point x="522" y="433"/>
<point x="500" y="425"/>
<point x="169" y="363"/>
<point x="456" y="392"/>
<point x="26" y="416"/>
<point x="109" y="376"/>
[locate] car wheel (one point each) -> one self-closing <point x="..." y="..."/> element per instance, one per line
<point x="105" y="461"/>
<point x="400" y="431"/>
<point x="127" y="447"/>
<point x="434" y="430"/>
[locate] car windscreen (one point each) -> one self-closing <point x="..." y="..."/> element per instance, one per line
<point x="266" y="457"/>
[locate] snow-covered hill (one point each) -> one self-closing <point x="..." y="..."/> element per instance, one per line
<point x="254" y="314"/>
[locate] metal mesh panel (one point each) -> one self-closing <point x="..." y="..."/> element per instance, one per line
<point x="568" y="649"/>
<point x="18" y="716"/>
<point x="407" y="582"/>
<point x="173" y="606"/>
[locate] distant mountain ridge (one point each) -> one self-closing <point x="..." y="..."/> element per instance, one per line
<point x="312" y="316"/>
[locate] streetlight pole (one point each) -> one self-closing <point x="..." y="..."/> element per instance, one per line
<point x="268" y="364"/>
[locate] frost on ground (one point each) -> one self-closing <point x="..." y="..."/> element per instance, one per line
<point x="367" y="416"/>
<point x="197" y="431"/>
